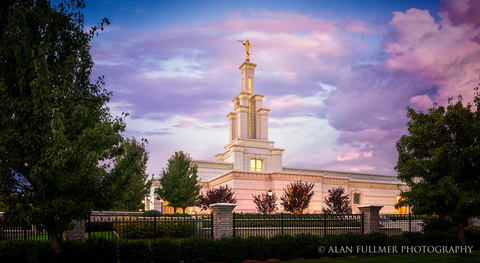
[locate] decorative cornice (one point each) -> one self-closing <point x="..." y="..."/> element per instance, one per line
<point x="248" y="65"/>
<point x="241" y="108"/>
<point x="257" y="97"/>
<point x="220" y="157"/>
<point x="232" y="115"/>
<point x="243" y="95"/>
<point x="277" y="151"/>
<point x="236" y="148"/>
<point x="236" y="101"/>
<point x="263" y="111"/>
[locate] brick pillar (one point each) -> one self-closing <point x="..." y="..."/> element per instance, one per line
<point x="222" y="219"/>
<point x="371" y="217"/>
<point x="77" y="234"/>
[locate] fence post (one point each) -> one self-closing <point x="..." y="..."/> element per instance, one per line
<point x="222" y="219"/>
<point x="282" y="223"/>
<point x="409" y="222"/>
<point x="363" y="222"/>
<point x="233" y="225"/>
<point x="1" y="225"/>
<point x="77" y="234"/>
<point x="154" y="227"/>
<point x="211" y="225"/>
<point x="371" y="217"/>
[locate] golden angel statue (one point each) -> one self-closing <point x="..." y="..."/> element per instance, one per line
<point x="247" y="48"/>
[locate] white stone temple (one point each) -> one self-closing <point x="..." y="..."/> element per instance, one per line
<point x="251" y="164"/>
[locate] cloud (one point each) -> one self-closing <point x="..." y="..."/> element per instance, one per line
<point x="352" y="154"/>
<point x="337" y="90"/>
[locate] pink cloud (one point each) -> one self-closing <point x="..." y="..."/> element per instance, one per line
<point x="441" y="53"/>
<point x="462" y="11"/>
<point x="352" y="154"/>
<point x="362" y="168"/>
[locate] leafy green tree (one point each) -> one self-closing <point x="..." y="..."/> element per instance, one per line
<point x="337" y="202"/>
<point x="179" y="183"/>
<point x="129" y="170"/>
<point x="297" y="196"/>
<point x="56" y="133"/>
<point x="222" y="194"/>
<point x="439" y="160"/>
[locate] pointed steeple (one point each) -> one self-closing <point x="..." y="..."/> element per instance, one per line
<point x="249" y="148"/>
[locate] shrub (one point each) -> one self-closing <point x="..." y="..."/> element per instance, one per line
<point x="284" y="247"/>
<point x="307" y="245"/>
<point x="473" y="236"/>
<point x="134" y="252"/>
<point x="399" y="240"/>
<point x="232" y="249"/>
<point x="152" y="213"/>
<point x="102" y="250"/>
<point x="165" y="250"/>
<point x="17" y="251"/>
<point x="147" y="228"/>
<point x="376" y="239"/>
<point x="433" y="224"/>
<point x="258" y="248"/>
<point x="199" y="250"/>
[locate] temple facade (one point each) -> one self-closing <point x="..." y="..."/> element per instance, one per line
<point x="251" y="164"/>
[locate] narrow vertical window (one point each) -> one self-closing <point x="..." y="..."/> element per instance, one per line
<point x="250" y="112"/>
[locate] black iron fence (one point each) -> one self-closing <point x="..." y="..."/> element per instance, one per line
<point x="395" y="224"/>
<point x="125" y="227"/>
<point x="132" y="227"/>
<point x="318" y="224"/>
<point x="15" y="231"/>
<point x="120" y="227"/>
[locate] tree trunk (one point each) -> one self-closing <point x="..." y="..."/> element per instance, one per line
<point x="55" y="245"/>
<point x="461" y="231"/>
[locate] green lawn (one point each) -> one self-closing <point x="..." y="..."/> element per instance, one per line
<point x="413" y="258"/>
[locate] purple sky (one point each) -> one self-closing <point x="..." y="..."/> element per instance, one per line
<point x="336" y="76"/>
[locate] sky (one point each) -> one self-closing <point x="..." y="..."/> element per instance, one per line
<point x="337" y="75"/>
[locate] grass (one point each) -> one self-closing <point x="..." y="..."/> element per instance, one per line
<point x="409" y="258"/>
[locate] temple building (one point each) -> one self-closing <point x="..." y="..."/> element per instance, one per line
<point x="251" y="164"/>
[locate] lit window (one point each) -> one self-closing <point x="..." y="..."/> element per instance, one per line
<point x="249" y="85"/>
<point x="403" y="209"/>
<point x="256" y="165"/>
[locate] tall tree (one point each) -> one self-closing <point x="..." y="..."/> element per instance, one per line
<point x="55" y="128"/>
<point x="440" y="161"/>
<point x="179" y="183"/>
<point x="129" y="170"/>
<point x="222" y="194"/>
<point x="265" y="203"/>
<point x="297" y="196"/>
<point x="337" y="202"/>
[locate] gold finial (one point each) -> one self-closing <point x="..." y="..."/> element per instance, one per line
<point x="247" y="48"/>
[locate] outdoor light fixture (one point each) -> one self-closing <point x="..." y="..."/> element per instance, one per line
<point x="270" y="193"/>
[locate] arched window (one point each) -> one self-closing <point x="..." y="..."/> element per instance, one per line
<point x="356" y="199"/>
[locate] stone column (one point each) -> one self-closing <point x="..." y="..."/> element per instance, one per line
<point x="371" y="217"/>
<point x="222" y="219"/>
<point x="77" y="234"/>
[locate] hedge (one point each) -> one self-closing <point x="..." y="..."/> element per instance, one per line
<point x="234" y="249"/>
